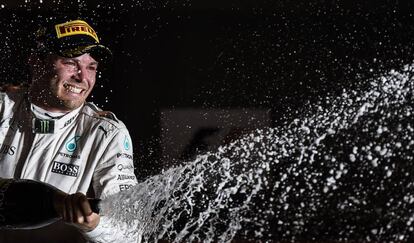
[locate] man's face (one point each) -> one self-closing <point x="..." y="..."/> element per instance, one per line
<point x="66" y="82"/>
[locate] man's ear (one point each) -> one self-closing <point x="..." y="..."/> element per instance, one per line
<point x="34" y="61"/>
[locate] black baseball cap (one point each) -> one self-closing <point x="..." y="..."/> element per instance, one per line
<point x="71" y="38"/>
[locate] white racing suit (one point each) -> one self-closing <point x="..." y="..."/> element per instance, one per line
<point x="79" y="152"/>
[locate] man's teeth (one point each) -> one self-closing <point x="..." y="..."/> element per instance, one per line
<point x="72" y="89"/>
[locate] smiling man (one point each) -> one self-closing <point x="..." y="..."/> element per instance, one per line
<point x="69" y="83"/>
<point x="53" y="135"/>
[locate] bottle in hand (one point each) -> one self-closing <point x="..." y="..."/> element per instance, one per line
<point x="26" y="204"/>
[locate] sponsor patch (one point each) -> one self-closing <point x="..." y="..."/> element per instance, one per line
<point x="69" y="121"/>
<point x="103" y="130"/>
<point x="72" y="144"/>
<point x="124" y="187"/>
<point x="126" y="143"/>
<point x="124" y="156"/>
<point x="125" y="177"/>
<point x="76" y="27"/>
<point x="7" y="149"/>
<point x="122" y="167"/>
<point x="65" y="169"/>
<point x="71" y="156"/>
<point x="43" y="126"/>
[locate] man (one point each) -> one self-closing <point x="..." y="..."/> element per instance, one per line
<point x="49" y="133"/>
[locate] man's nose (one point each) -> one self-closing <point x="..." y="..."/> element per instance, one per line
<point x="80" y="75"/>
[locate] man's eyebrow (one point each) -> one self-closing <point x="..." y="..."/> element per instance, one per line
<point x="93" y="63"/>
<point x="67" y="59"/>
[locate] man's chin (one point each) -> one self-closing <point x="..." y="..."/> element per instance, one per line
<point x="70" y="105"/>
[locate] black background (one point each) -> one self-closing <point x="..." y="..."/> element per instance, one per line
<point x="276" y="55"/>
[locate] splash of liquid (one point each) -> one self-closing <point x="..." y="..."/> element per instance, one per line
<point x="343" y="171"/>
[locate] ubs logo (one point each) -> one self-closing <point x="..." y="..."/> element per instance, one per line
<point x="65" y="169"/>
<point x="72" y="144"/>
<point x="7" y="149"/>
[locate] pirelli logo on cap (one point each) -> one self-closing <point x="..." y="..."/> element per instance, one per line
<point x="76" y="27"/>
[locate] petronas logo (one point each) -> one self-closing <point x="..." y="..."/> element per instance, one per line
<point x="126" y="143"/>
<point x="72" y="144"/>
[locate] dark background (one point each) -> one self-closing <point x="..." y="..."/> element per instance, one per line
<point x="277" y="56"/>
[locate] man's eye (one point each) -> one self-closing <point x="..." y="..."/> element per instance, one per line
<point x="69" y="63"/>
<point x="93" y="68"/>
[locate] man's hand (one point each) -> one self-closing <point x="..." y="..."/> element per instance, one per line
<point x="75" y="209"/>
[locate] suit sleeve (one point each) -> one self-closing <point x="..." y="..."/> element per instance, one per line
<point x="115" y="173"/>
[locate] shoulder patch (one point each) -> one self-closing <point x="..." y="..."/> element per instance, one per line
<point x="107" y="114"/>
<point x="100" y="113"/>
<point x="92" y="110"/>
